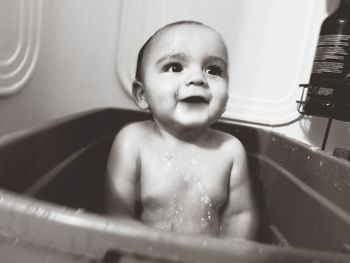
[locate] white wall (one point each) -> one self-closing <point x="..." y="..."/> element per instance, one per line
<point x="78" y="44"/>
<point x="75" y="70"/>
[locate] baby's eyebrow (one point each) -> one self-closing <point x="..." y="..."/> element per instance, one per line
<point x="180" y="56"/>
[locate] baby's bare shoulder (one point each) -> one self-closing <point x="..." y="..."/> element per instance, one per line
<point x="131" y="136"/>
<point x="228" y="143"/>
<point x="134" y="132"/>
<point x="232" y="147"/>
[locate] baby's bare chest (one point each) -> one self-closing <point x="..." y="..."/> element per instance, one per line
<point x="199" y="176"/>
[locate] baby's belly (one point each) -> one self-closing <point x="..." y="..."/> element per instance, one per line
<point x="184" y="218"/>
<point x="183" y="199"/>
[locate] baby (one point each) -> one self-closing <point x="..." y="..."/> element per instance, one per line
<point x="174" y="172"/>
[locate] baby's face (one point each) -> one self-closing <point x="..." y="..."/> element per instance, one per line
<point x="185" y="76"/>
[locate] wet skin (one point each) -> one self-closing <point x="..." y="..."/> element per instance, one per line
<point x="173" y="172"/>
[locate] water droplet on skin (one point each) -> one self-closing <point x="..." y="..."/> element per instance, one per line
<point x="205" y="199"/>
<point x="168" y="158"/>
<point x="321" y="163"/>
<point x="194" y="162"/>
<point x="308" y="157"/>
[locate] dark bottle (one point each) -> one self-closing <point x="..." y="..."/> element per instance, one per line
<point x="329" y="92"/>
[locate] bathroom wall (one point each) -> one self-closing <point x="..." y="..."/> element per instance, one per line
<point x="74" y="45"/>
<point x="75" y="66"/>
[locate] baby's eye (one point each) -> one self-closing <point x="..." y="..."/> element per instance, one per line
<point x="214" y="70"/>
<point x="173" y="67"/>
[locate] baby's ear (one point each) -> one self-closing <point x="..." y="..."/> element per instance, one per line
<point x="138" y="91"/>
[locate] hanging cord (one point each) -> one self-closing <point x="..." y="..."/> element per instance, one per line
<point x="326" y="134"/>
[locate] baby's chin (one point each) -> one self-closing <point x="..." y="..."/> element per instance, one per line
<point x="193" y="124"/>
<point x="195" y="116"/>
<point x="197" y="120"/>
<point x="187" y="122"/>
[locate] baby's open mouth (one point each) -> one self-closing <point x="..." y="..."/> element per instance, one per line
<point x="195" y="99"/>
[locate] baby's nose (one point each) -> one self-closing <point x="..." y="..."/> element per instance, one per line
<point x="196" y="77"/>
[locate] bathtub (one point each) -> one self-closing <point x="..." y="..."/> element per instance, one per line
<point x="52" y="189"/>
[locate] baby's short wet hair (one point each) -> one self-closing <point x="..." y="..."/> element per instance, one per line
<point x="138" y="74"/>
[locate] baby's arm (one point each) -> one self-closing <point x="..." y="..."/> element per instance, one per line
<point x="240" y="216"/>
<point x="122" y="174"/>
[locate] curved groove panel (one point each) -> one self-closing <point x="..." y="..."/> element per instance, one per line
<point x="18" y="62"/>
<point x="8" y="59"/>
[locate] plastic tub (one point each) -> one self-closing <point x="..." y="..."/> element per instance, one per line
<point x="52" y="189"/>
